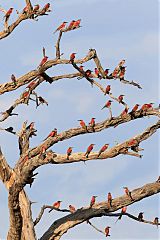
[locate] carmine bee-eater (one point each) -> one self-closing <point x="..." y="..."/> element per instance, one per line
<point x="122" y="73"/>
<point x="89" y="149"/>
<point x="30" y="126"/>
<point x="43" y="61"/>
<point x="108" y="89"/>
<point x="8" y="13"/>
<point x="52" y="134"/>
<point x="140" y="216"/>
<point x="72" y="209"/>
<point x="42" y="101"/>
<point x="13" y="78"/>
<point x="120" y="98"/>
<point x="132" y="142"/>
<point x="135" y="108"/>
<point x="43" y="149"/>
<point x="82" y="123"/>
<point x="107" y="105"/>
<point x="114" y="74"/>
<point x="122" y="62"/>
<point x="125" y="111"/>
<point x="92" y="122"/>
<point x="56" y="205"/>
<point x="25" y="9"/>
<point x="109" y="199"/>
<point x="31" y="84"/>
<point x="106" y="71"/>
<point x="69" y="152"/>
<point x="72" y="57"/>
<point x="76" y="24"/>
<point x="104" y="148"/>
<point x="25" y="94"/>
<point x="128" y="193"/>
<point x="156" y="221"/>
<point x="81" y="67"/>
<point x="106" y="230"/>
<point x="146" y="106"/>
<point x="71" y="25"/>
<point x="93" y="200"/>
<point x="88" y="72"/>
<point x="61" y="27"/>
<point x="96" y="71"/>
<point x="123" y="210"/>
<point x="36" y="8"/>
<point x="46" y="7"/>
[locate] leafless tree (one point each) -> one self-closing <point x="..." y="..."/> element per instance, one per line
<point x="22" y="225"/>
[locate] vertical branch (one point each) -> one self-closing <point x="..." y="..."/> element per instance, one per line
<point x="58" y="54"/>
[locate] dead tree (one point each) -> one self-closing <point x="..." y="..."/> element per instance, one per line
<point x="22" y="225"/>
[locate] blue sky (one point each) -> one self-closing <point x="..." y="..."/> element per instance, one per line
<point x="117" y="30"/>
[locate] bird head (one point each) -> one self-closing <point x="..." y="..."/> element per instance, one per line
<point x="59" y="201"/>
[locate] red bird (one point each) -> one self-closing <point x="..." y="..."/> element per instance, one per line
<point x="104" y="148"/>
<point x="108" y="89"/>
<point x="46" y="7"/>
<point x="8" y="13"/>
<point x="71" y="25"/>
<point x="132" y="142"/>
<point x="120" y="98"/>
<point x="83" y="125"/>
<point x="122" y="73"/>
<point x="135" y="108"/>
<point x="52" y="134"/>
<point x="107" y="105"/>
<point x="56" y="205"/>
<point x="106" y="71"/>
<point x="128" y="193"/>
<point x="43" y="61"/>
<point x="72" y="57"/>
<point x="89" y="149"/>
<point x="88" y="72"/>
<point x="122" y="62"/>
<point x="125" y="111"/>
<point x="93" y="200"/>
<point x="124" y="209"/>
<point x="146" y="106"/>
<point x="76" y="23"/>
<point x="81" y="68"/>
<point x="92" y="122"/>
<point x="43" y="149"/>
<point x="72" y="209"/>
<point x="31" y="84"/>
<point x="109" y="199"/>
<point x="25" y="9"/>
<point x="96" y="71"/>
<point x="106" y="230"/>
<point x="36" y="8"/>
<point x="61" y="27"/>
<point x="115" y="73"/>
<point x="69" y="152"/>
<point x="25" y="94"/>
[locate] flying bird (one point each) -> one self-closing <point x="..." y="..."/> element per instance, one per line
<point x="41" y="101"/>
<point x="10" y="129"/>
<point x="89" y="149"/>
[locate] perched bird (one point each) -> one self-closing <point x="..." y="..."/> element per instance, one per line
<point x="53" y="133"/>
<point x="36" y="8"/>
<point x="93" y="200"/>
<point x="122" y="73"/>
<point x="83" y="125"/>
<point x="76" y="24"/>
<point x="25" y="9"/>
<point x="69" y="152"/>
<point x="43" y="149"/>
<point x="30" y="126"/>
<point x="89" y="149"/>
<point x="124" y="209"/>
<point x="135" y="108"/>
<point x="146" y="107"/>
<point x="128" y="193"/>
<point x="8" y="13"/>
<point x="72" y="57"/>
<point x="140" y="216"/>
<point x="96" y="71"/>
<point x="10" y="129"/>
<point x="114" y="74"/>
<point x="132" y="142"/>
<point x="104" y="148"/>
<point x="106" y="230"/>
<point x="56" y="205"/>
<point x="109" y="199"/>
<point x="25" y="94"/>
<point x="31" y="84"/>
<point x="88" y="73"/>
<point x="124" y="112"/>
<point x="106" y="71"/>
<point x="158" y="180"/>
<point x="92" y="122"/>
<point x="81" y="67"/>
<point x="121" y="63"/>
<point x="46" y="7"/>
<point x="71" y="25"/>
<point x="61" y="27"/>
<point x="156" y="221"/>
<point x="41" y="101"/>
<point x="120" y="98"/>
<point x="13" y="78"/>
<point x="108" y="89"/>
<point x="43" y="61"/>
<point x="72" y="208"/>
<point x="107" y="105"/>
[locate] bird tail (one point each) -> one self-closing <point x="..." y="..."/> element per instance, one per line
<point x="67" y="157"/>
<point x="102" y="107"/>
<point x="99" y="154"/>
